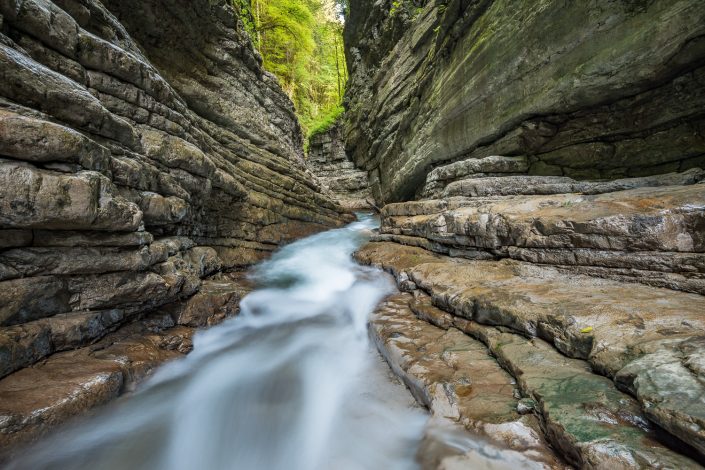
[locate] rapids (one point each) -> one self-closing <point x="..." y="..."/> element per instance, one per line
<point x="291" y="383"/>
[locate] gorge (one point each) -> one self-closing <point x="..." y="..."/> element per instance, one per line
<point x="538" y="169"/>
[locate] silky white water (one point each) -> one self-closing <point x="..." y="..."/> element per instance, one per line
<point x="291" y="383"/>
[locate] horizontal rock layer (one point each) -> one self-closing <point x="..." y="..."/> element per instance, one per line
<point x="455" y="377"/>
<point x="587" y="90"/>
<point x="110" y="359"/>
<point x="143" y="148"/>
<point x="330" y="163"/>
<point x="648" y="341"/>
<point x="652" y="235"/>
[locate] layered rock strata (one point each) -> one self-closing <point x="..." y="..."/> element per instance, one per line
<point x="652" y="235"/>
<point x="586" y="90"/>
<point x="454" y="376"/>
<point x="330" y="163"/>
<point x="143" y="148"/>
<point x="67" y="385"/>
<point x="601" y="360"/>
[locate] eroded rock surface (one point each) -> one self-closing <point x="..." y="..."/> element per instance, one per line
<point x="587" y="90"/>
<point x="652" y="235"/>
<point x="455" y="377"/>
<point x="329" y="161"/>
<point x="103" y="361"/>
<point x="143" y="148"/>
<point x="647" y="340"/>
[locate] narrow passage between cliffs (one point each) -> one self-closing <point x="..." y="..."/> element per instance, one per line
<point x="292" y="382"/>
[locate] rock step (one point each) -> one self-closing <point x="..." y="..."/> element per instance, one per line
<point x="545" y="185"/>
<point x="632" y="232"/>
<point x="583" y="415"/>
<point x="455" y="377"/>
<point x="649" y="341"/>
<point x="441" y="176"/>
<point x="35" y="399"/>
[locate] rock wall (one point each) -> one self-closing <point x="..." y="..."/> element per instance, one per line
<point x="142" y="149"/>
<point x="541" y="165"/>
<point x="587" y="90"/>
<point x="330" y="163"/>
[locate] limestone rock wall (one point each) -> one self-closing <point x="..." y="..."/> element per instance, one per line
<point x="330" y="163"/>
<point x="142" y="148"/>
<point x="586" y="90"/>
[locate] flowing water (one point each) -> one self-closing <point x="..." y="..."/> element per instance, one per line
<point x="291" y="383"/>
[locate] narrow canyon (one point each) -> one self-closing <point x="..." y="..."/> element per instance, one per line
<point x="491" y="257"/>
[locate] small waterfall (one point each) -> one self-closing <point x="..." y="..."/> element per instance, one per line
<point x="291" y="383"/>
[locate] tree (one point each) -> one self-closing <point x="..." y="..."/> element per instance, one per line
<point x="301" y="42"/>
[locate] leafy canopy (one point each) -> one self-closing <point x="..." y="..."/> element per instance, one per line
<point x="301" y="42"/>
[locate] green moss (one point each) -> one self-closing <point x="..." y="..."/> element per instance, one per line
<point x="324" y="122"/>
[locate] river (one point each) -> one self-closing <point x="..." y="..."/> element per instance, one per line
<point x="292" y="382"/>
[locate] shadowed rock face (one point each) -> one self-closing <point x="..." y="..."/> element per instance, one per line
<point x="586" y="90"/>
<point x="329" y="161"/>
<point x="143" y="148"/>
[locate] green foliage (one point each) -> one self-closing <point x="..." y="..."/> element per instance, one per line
<point x="301" y="42"/>
<point x="326" y="121"/>
<point x="412" y="8"/>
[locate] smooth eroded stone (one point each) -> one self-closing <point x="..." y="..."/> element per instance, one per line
<point x="70" y="384"/>
<point x="23" y="300"/>
<point x="35" y="399"/>
<point x="37" y="140"/>
<point x="585" y="416"/>
<point x="68" y="238"/>
<point x="23" y="345"/>
<point x="631" y="333"/>
<point x="456" y="378"/>
<point x="214" y="301"/>
<point x="34" y="198"/>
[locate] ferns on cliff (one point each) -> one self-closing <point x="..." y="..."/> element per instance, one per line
<point x="301" y="42"/>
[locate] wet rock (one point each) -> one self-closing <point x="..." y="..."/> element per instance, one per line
<point x="526" y="406"/>
<point x="456" y="378"/>
<point x="630" y="333"/>
<point x="585" y="416"/>
<point x="214" y="301"/>
<point x="36" y="399"/>
<point x="66" y="385"/>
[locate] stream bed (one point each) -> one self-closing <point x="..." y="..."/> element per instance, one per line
<point x="293" y="382"/>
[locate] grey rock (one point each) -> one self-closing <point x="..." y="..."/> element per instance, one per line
<point x="330" y="163"/>
<point x="586" y="90"/>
